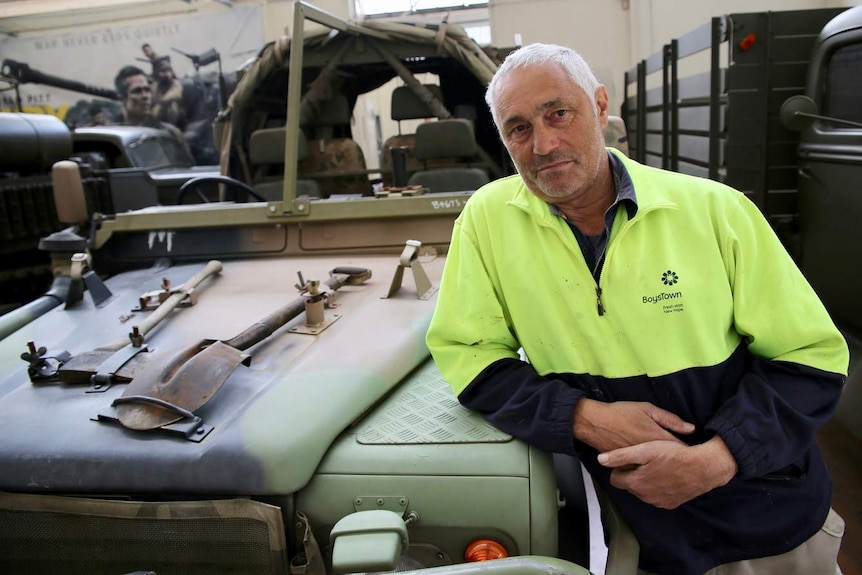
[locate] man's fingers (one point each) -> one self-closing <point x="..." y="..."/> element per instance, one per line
<point x="623" y="457"/>
<point x="670" y="421"/>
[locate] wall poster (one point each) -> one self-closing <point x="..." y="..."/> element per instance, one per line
<point x="72" y="75"/>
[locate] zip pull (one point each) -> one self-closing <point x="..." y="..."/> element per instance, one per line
<point x="600" y="306"/>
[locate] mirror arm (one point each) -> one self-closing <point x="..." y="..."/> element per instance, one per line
<point x="829" y="119"/>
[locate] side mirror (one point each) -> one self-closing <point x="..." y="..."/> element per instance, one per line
<point x="69" y="196"/>
<point x="798" y="112"/>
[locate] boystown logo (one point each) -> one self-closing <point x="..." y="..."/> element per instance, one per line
<point x="668" y="278"/>
<point x="661" y="297"/>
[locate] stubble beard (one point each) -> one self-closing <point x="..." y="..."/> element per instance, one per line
<point x="559" y="187"/>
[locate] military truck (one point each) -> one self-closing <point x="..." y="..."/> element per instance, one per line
<point x="250" y="391"/>
<point x="121" y="168"/>
<point x="768" y="102"/>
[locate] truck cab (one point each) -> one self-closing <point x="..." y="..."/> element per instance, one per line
<point x="145" y="166"/>
<point x="830" y="167"/>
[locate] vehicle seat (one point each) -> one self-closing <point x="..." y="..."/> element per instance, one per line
<point x="453" y="138"/>
<point x="406" y="105"/>
<point x="266" y="155"/>
<point x="334" y="160"/>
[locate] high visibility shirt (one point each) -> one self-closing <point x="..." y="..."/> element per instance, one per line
<point x="697" y="309"/>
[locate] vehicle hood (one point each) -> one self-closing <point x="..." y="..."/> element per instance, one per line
<point x="272" y="421"/>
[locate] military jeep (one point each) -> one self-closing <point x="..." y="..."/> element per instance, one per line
<point x="249" y="390"/>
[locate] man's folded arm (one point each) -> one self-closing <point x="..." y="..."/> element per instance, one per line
<point x="512" y="396"/>
<point x="775" y="414"/>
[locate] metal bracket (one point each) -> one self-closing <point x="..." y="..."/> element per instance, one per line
<point x="298" y="207"/>
<point x="308" y="329"/>
<point x="43" y="366"/>
<point x="82" y="276"/>
<point x="410" y="259"/>
<point x="316" y="319"/>
<point x="192" y="429"/>
<point x="103" y="379"/>
<point x="394" y="503"/>
<point x="150" y="300"/>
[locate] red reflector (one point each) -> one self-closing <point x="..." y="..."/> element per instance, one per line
<point x="747" y="42"/>
<point x="484" y="549"/>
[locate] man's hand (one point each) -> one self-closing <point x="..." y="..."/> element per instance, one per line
<point x="667" y="474"/>
<point x="607" y="426"/>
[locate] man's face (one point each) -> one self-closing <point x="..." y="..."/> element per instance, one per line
<point x="138" y="102"/>
<point x="552" y="130"/>
<point x="165" y="75"/>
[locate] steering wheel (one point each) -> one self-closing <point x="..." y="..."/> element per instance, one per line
<point x="195" y="184"/>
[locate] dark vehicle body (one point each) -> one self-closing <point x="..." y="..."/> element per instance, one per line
<point x="146" y="166"/>
<point x="829" y="172"/>
<point x="775" y="112"/>
<point x="726" y="123"/>
<point x="122" y="168"/>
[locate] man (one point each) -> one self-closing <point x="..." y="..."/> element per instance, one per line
<point x="136" y="96"/>
<point x="168" y="95"/>
<point x="672" y="343"/>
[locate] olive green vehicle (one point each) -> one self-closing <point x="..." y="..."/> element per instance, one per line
<point x="248" y="390"/>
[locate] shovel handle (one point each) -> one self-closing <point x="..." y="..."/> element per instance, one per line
<point x="213" y="267"/>
<point x="264" y="328"/>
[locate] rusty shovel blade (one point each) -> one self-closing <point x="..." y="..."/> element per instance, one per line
<point x="186" y="380"/>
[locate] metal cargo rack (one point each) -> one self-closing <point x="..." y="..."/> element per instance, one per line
<point x="722" y="121"/>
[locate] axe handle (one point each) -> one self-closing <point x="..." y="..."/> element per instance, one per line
<point x="213" y="267"/>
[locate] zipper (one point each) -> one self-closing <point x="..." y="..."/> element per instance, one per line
<point x="600" y="305"/>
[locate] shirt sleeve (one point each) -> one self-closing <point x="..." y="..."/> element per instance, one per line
<point x="799" y="358"/>
<point x="470" y="328"/>
<point x="476" y="351"/>
<point x="540" y="410"/>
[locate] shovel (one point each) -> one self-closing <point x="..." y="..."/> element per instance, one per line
<point x="81" y="367"/>
<point x="169" y="389"/>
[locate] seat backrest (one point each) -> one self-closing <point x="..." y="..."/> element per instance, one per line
<point x="266" y="147"/>
<point x="329" y="155"/>
<point x="406" y="105"/>
<point x="442" y="141"/>
<point x="266" y="153"/>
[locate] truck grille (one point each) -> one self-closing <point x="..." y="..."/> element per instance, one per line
<point x="70" y="535"/>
